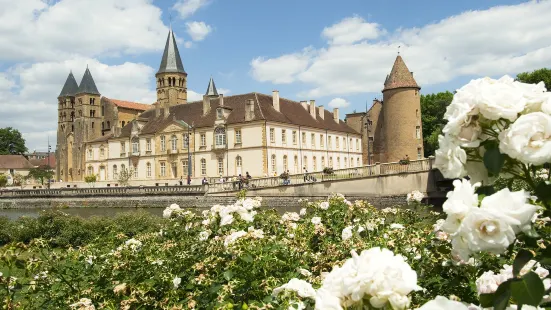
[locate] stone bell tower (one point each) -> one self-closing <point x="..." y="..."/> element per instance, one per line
<point x="171" y="77"/>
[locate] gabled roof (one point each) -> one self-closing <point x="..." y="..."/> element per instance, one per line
<point x="291" y="112"/>
<point x="14" y="162"/>
<point x="400" y="76"/>
<point x="130" y="105"/>
<point x="211" y="89"/>
<point x="171" y="61"/>
<point x="87" y="85"/>
<point x="70" y="88"/>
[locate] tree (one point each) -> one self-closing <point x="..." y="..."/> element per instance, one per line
<point x="124" y="176"/>
<point x="11" y="141"/>
<point x="3" y="180"/>
<point x="433" y="107"/>
<point x="40" y="173"/>
<point x="536" y="76"/>
<point x="90" y="179"/>
<point x="18" y="180"/>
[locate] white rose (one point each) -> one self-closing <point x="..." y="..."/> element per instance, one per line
<point x="487" y="283"/>
<point x="440" y="303"/>
<point x="450" y="158"/>
<point x="303" y="212"/>
<point x="528" y="139"/>
<point x="499" y="98"/>
<point x="396" y="226"/>
<point x="459" y="203"/>
<point x="324" y="205"/>
<point x="316" y="220"/>
<point x="176" y="282"/>
<point x="347" y="233"/>
<point x="513" y="205"/>
<point x="546" y="105"/>
<point x="301" y="287"/>
<point x="204" y="235"/>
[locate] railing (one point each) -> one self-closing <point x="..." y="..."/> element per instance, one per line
<point x="339" y="174"/>
<point x="106" y="191"/>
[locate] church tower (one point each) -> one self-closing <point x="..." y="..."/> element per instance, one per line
<point x="401" y="115"/>
<point x="171" y="77"/>
<point x="65" y="128"/>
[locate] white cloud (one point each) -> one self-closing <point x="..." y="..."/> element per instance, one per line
<point x="224" y="91"/>
<point x="193" y="96"/>
<point x="281" y="70"/>
<point x="186" y="8"/>
<point x="40" y="30"/>
<point x="473" y="43"/>
<point x="338" y="103"/>
<point x="198" y="31"/>
<point x="351" y="30"/>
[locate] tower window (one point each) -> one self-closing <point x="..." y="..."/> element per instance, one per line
<point x="92" y="125"/>
<point x="419" y="155"/>
<point x="418" y="132"/>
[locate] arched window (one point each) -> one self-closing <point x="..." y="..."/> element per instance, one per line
<point x="338" y="162"/>
<point x="123" y="122"/>
<point x="163" y="169"/>
<point x="185" y="167"/>
<point x="314" y="163"/>
<point x="296" y="164"/>
<point x="274" y="163"/>
<point x="174" y="142"/>
<point x="220" y="136"/>
<point x="102" y="152"/>
<point x="185" y="141"/>
<point x="305" y="162"/>
<point x="285" y="164"/>
<point x="330" y="162"/>
<point x="148" y="169"/>
<point x="239" y="165"/>
<point x="90" y="170"/>
<point x="345" y="163"/>
<point x="358" y="162"/>
<point x="203" y="166"/>
<point x="135" y="146"/>
<point x="163" y="144"/>
<point x="322" y="162"/>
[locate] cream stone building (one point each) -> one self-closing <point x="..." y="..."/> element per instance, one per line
<point x="218" y="136"/>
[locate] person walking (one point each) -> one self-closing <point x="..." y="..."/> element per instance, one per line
<point x="188" y="179"/>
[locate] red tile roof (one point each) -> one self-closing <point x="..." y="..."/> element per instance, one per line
<point x="44" y="161"/>
<point x="130" y="105"/>
<point x="14" y="162"/>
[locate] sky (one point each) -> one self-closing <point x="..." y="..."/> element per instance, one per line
<point x="335" y="52"/>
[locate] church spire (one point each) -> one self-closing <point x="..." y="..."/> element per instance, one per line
<point x="70" y="88"/>
<point x="171" y="61"/>
<point x="211" y="89"/>
<point x="87" y="84"/>
<point x="400" y="76"/>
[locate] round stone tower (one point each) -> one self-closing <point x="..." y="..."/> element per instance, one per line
<point x="403" y="135"/>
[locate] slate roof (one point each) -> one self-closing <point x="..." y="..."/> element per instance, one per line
<point x="171" y="61"/>
<point x="14" y="162"/>
<point x="130" y="105"/>
<point x="87" y="84"/>
<point x="70" y="88"/>
<point x="400" y="76"/>
<point x="291" y="112"/>
<point x="211" y="89"/>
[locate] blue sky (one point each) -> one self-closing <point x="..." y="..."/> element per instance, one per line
<point x="336" y="52"/>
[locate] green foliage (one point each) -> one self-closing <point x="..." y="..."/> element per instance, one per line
<point x="11" y="141"/>
<point x="41" y="173"/>
<point x="125" y="175"/>
<point x="92" y="178"/>
<point x="536" y="76"/>
<point x="3" y="180"/>
<point x="433" y="107"/>
<point x="328" y="170"/>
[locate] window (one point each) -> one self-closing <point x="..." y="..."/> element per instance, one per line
<point x="203" y="166"/>
<point x="148" y="170"/>
<point x="345" y="163"/>
<point x="185" y="168"/>
<point x="220" y="166"/>
<point x="148" y="145"/>
<point x="174" y="142"/>
<point x="357" y="144"/>
<point x="344" y="142"/>
<point x="163" y="169"/>
<point x="357" y="162"/>
<point x="238" y="136"/>
<point x="419" y="155"/>
<point x="418" y="132"/>
<point x="313" y="140"/>
<point x="273" y="163"/>
<point x="272" y="135"/>
<point x="329" y="138"/>
<point x="220" y="136"/>
<point x="294" y="137"/>
<point x="337" y="142"/>
<point x="185" y="141"/>
<point x="135" y="171"/>
<point x="115" y="174"/>
<point x="203" y="139"/>
<point x="123" y="123"/>
<point x="303" y="139"/>
<point x="296" y="164"/>
<point x="90" y="170"/>
<point x="283" y="136"/>
<point x="92" y="125"/>
<point x="305" y="162"/>
<point x="285" y="166"/>
<point x="238" y="164"/>
<point x="330" y="162"/>
<point x="314" y="164"/>
<point x="322" y="162"/>
<point x="102" y="152"/>
<point x="338" y="162"/>
<point x="174" y="169"/>
<point x="163" y="144"/>
<point x="90" y="153"/>
<point x="351" y="144"/>
<point x="219" y="113"/>
<point x="322" y="142"/>
<point x="135" y="146"/>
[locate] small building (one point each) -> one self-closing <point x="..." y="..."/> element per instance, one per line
<point x="11" y="165"/>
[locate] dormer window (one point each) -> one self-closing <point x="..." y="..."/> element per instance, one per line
<point x="219" y="114"/>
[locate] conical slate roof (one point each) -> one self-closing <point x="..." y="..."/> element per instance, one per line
<point x="70" y="88"/>
<point x="87" y="84"/>
<point x="171" y="61"/>
<point x="400" y="76"/>
<point x="211" y="89"/>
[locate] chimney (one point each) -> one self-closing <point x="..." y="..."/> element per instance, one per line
<point x="313" y="108"/>
<point x="249" y="110"/>
<point x="321" y="112"/>
<point x="206" y="105"/>
<point x="221" y="98"/>
<point x="275" y="99"/>
<point x="304" y="104"/>
<point x="336" y="114"/>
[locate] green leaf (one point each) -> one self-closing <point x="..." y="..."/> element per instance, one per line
<point x="248" y="258"/>
<point x="494" y="160"/>
<point x="228" y="274"/>
<point x="486" y="300"/>
<point x="523" y="257"/>
<point x="485" y="191"/>
<point x="546" y="259"/>
<point x="528" y="290"/>
<point x="543" y="191"/>
<point x="502" y="295"/>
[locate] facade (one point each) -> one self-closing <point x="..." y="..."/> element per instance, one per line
<point x="392" y="129"/>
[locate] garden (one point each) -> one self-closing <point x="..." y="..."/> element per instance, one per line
<point x="490" y="247"/>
